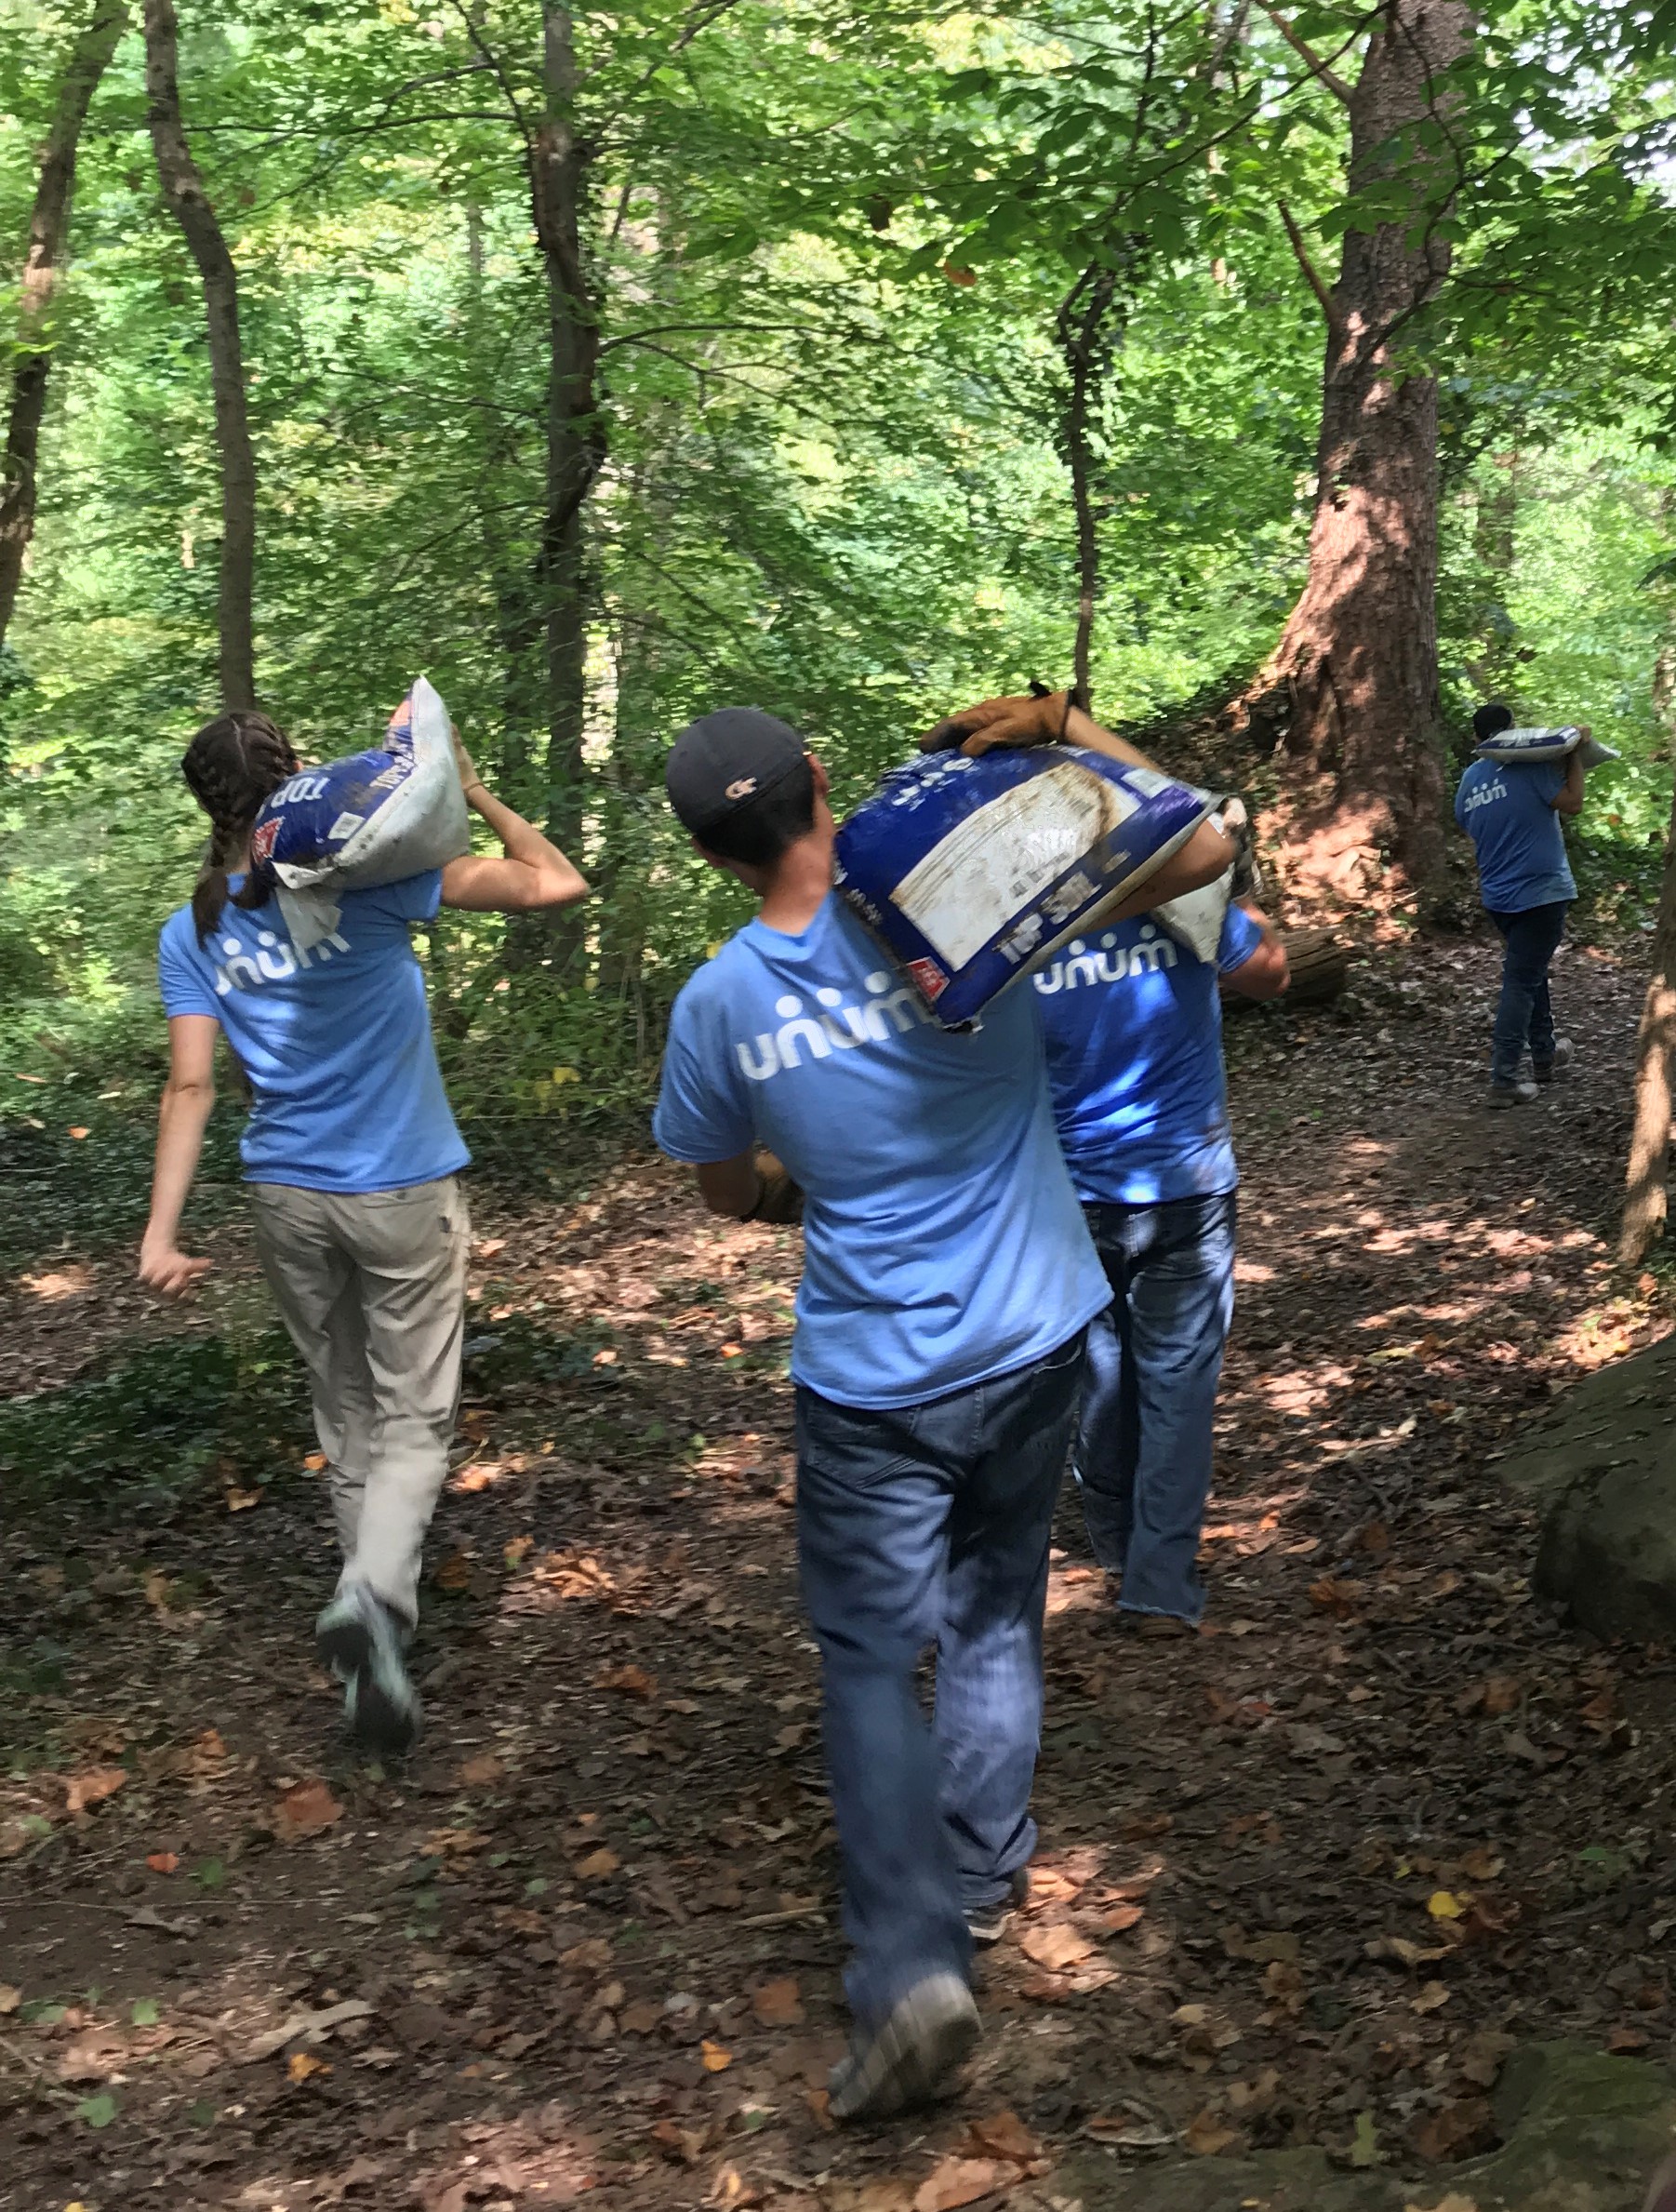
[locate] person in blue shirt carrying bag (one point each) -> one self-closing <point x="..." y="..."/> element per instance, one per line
<point x="1511" y="810"/>
<point x="1133" y="1027"/>
<point x="351" y="1154"/>
<point x="948" y="1279"/>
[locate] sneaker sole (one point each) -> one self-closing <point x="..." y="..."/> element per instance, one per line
<point x="910" y="2058"/>
<point x="378" y="1720"/>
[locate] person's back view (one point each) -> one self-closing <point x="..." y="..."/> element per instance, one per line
<point x="1512" y="809"/>
<point x="352" y="1156"/>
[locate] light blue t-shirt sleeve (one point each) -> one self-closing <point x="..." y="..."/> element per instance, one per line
<point x="1549" y="776"/>
<point x="183" y="975"/>
<point x="701" y="1114"/>
<point x="415" y="899"/>
<point x="1240" y="939"/>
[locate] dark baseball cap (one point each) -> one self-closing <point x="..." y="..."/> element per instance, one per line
<point x="725" y="761"/>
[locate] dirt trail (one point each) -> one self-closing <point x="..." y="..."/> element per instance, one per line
<point x="1306" y="1876"/>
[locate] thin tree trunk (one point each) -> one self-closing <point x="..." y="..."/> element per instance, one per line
<point x="183" y="189"/>
<point x="1354" y="676"/>
<point x="559" y="159"/>
<point x="1085" y="345"/>
<point x="48" y="236"/>
<point x="1645" y="1201"/>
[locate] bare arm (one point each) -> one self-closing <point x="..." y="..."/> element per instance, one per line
<point x="529" y="874"/>
<point x="730" y="1186"/>
<point x="1082" y="729"/>
<point x="188" y="1097"/>
<point x="1570" y="799"/>
<point x="1266" y="973"/>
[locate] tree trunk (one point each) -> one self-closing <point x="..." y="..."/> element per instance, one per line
<point x="1645" y="1201"/>
<point x="183" y="189"/>
<point x="1357" y="662"/>
<point x="559" y="159"/>
<point x="48" y="234"/>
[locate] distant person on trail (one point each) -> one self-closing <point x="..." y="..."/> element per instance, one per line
<point x="948" y="1281"/>
<point x="352" y="1156"/>
<point x="1135" y="1063"/>
<point x="1512" y="812"/>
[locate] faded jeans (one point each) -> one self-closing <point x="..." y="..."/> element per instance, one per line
<point x="371" y="1286"/>
<point x="1143" y="1449"/>
<point x="930" y="1526"/>
<point x="1524" y="1014"/>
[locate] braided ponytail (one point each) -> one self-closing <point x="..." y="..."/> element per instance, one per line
<point x="232" y="766"/>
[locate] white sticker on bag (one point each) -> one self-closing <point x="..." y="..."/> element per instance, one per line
<point x="1002" y="856"/>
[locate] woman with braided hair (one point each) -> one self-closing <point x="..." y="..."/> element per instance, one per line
<point x="352" y="1156"/>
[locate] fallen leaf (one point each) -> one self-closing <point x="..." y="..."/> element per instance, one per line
<point x="1120" y="1917"/>
<point x="1140" y="1828"/>
<point x="452" y="1573"/>
<point x="1502" y="1693"/>
<point x="301" y="2065"/>
<point x="307" y="1809"/>
<point x="640" y="2019"/>
<point x="1204" y="2134"/>
<point x="634" y="1681"/>
<point x="93" y="1787"/>
<point x="732" y="2192"/>
<point x="1003" y="2135"/>
<point x="1055" y="1948"/>
<point x="98" y="2111"/>
<point x="1364" y="2142"/>
<point x="489" y="1246"/>
<point x="597" y="1865"/>
<point x="1433" y="1998"/>
<point x="1443" y="1905"/>
<point x="481" y="1770"/>
<point x="1479" y="1865"/>
<point x="10" y="1997"/>
<point x="79" y="1133"/>
<point x="716" y="2060"/>
<point x="241" y="1501"/>
<point x="776" y="2005"/>
<point x="314" y="2025"/>
<point x="1626" y="2039"/>
<point x="1333" y="1596"/>
<point x="315" y="1462"/>
<point x="954" y="2181"/>
<point x="163" y="1862"/>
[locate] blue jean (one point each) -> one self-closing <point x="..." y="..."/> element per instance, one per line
<point x="1143" y="1449"/>
<point x="1524" y="1015"/>
<point x="929" y="1524"/>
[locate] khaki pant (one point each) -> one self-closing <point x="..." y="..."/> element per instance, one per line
<point x="372" y="1288"/>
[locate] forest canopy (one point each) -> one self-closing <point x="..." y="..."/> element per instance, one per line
<point x="608" y="366"/>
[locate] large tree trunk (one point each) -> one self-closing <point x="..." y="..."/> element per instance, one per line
<point x="1645" y="1201"/>
<point x="48" y="234"/>
<point x="1356" y="666"/>
<point x="559" y="159"/>
<point x="183" y="189"/>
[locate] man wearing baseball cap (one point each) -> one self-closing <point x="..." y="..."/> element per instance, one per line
<point x="948" y="1282"/>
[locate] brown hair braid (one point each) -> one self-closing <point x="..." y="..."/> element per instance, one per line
<point x="232" y="766"/>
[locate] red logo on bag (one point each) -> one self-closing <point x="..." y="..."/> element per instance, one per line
<point x="265" y="839"/>
<point x="931" y="978"/>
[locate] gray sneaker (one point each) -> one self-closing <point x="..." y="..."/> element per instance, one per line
<point x="1522" y="1091"/>
<point x="1559" y="1069"/>
<point x="906" y="2059"/>
<point x="360" y="1639"/>
<point x="987" y="1924"/>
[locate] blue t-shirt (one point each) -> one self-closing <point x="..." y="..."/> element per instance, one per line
<point x="943" y="1243"/>
<point x="335" y="1042"/>
<point x="1507" y="810"/>
<point x="1135" y="1058"/>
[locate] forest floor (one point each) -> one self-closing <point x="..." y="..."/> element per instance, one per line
<point x="1304" y="1880"/>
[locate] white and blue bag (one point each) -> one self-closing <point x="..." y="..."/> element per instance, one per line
<point x="972" y="872"/>
<point x="1511" y="746"/>
<point x="375" y="818"/>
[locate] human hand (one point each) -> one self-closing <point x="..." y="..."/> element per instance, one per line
<point x="1037" y="718"/>
<point x="464" y="763"/>
<point x="162" y="1266"/>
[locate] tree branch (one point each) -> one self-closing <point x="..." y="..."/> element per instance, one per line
<point x="1318" y="68"/>
<point x="1329" y="306"/>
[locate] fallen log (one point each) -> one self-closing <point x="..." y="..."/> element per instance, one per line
<point x="1320" y="966"/>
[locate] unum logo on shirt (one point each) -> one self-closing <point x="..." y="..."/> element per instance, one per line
<point x="1107" y="965"/>
<point x="1483" y="794"/>
<point x="273" y="961"/>
<point x="784" y="1047"/>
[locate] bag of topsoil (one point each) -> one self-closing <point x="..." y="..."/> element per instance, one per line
<point x="1512" y="746"/>
<point x="972" y="872"/>
<point x="375" y="818"/>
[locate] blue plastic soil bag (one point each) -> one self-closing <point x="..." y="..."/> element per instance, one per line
<point x="376" y="817"/>
<point x="971" y="872"/>
<point x="1516" y="745"/>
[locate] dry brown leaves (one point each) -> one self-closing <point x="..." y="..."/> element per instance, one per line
<point x="306" y="1809"/>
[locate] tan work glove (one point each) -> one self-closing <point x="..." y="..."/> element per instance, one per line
<point x="1037" y="719"/>
<point x="779" y="1200"/>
